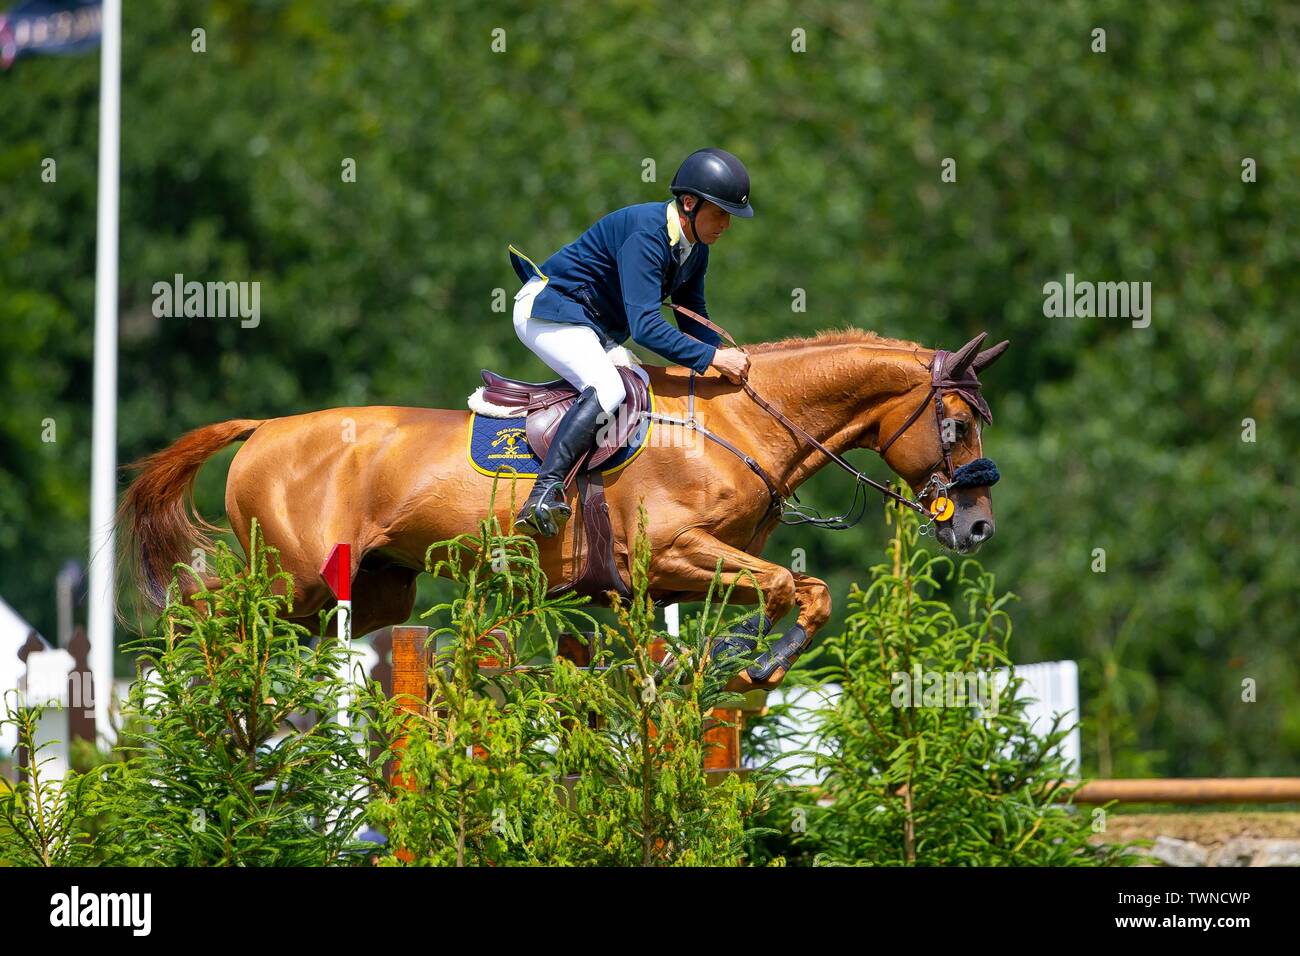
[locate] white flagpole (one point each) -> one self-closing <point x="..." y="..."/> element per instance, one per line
<point x="103" y="468"/>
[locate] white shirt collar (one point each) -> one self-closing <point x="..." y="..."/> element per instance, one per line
<point x="682" y="246"/>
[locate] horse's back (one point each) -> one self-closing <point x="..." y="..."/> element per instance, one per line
<point x="366" y="460"/>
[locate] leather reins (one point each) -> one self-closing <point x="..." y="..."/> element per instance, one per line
<point x="780" y="501"/>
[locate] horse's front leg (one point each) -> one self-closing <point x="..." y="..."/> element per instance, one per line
<point x="689" y="565"/>
<point x="814" y="600"/>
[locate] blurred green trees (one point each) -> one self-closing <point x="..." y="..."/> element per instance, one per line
<point x="1123" y="165"/>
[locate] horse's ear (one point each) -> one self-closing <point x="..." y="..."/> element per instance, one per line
<point x="964" y="356"/>
<point x="989" y="356"/>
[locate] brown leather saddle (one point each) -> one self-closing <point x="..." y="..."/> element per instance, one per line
<point x="543" y="404"/>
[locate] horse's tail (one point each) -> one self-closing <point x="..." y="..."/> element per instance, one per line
<point x="158" y="525"/>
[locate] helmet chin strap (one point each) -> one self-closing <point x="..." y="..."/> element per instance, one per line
<point x="690" y="217"/>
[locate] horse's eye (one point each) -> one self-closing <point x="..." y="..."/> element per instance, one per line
<point x="954" y="430"/>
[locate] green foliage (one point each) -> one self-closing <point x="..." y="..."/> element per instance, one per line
<point x="552" y="763"/>
<point x="930" y="762"/>
<point x="41" y="820"/>
<point x="217" y="775"/>
<point x="535" y="761"/>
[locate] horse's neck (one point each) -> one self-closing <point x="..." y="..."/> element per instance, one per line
<point x="838" y="394"/>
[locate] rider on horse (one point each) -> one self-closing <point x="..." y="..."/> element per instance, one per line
<point x="609" y="284"/>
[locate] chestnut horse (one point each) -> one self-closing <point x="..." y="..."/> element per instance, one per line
<point x="392" y="480"/>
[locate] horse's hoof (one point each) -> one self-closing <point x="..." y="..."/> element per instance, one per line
<point x="770" y="668"/>
<point x="731" y="645"/>
<point x="744" y="681"/>
<point x="740" y="684"/>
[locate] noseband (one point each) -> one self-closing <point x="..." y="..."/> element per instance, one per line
<point x="981" y="471"/>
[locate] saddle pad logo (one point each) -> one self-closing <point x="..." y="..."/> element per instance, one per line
<point x="512" y="445"/>
<point x="499" y="446"/>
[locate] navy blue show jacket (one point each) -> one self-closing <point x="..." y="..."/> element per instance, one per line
<point x="614" y="277"/>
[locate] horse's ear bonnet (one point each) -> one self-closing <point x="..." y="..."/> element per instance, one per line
<point x="957" y="372"/>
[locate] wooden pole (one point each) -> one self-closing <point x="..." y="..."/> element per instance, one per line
<point x="410" y="671"/>
<point x="33" y="645"/>
<point x="1192" y="790"/>
<point x="410" y="675"/>
<point x="81" y="689"/>
<point x="410" y="685"/>
<point x="722" y="742"/>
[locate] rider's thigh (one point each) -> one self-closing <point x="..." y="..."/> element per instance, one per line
<point x="575" y="353"/>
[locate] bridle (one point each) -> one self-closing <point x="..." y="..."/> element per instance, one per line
<point x="982" y="471"/>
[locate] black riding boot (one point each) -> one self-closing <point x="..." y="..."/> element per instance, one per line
<point x="546" y="508"/>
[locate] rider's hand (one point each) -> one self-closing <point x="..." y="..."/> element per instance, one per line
<point x="733" y="363"/>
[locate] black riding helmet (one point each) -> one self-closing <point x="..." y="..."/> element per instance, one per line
<point x="714" y="174"/>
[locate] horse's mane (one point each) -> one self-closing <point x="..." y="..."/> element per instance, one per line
<point x="848" y="336"/>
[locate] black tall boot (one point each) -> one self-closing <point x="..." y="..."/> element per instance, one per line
<point x="546" y="508"/>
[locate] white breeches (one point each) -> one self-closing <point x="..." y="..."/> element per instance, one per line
<point x="573" y="351"/>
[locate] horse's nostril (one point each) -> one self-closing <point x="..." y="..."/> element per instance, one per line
<point x="981" y="530"/>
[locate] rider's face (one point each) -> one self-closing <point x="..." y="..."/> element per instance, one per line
<point x="711" y="222"/>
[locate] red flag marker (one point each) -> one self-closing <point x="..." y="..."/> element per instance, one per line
<point x="337" y="572"/>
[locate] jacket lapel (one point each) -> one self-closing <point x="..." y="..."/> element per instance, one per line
<point x="677" y="271"/>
